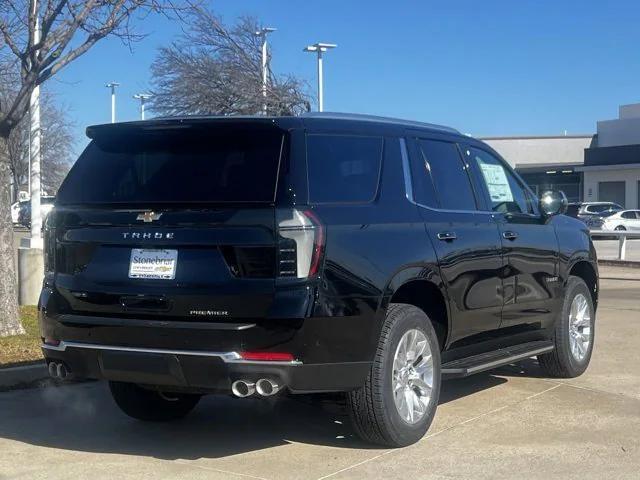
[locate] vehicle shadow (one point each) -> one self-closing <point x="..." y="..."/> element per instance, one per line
<point x="82" y="417"/>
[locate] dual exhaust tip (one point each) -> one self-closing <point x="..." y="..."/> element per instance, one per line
<point x="59" y="370"/>
<point x="264" y="387"/>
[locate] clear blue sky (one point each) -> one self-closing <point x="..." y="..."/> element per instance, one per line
<point x="485" y="67"/>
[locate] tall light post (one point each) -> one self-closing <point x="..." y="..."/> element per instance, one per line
<point x="262" y="33"/>
<point x="143" y="97"/>
<point x="35" y="155"/>
<point x="113" y="86"/>
<point x="319" y="49"/>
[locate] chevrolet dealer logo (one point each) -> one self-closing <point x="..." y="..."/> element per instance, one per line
<point x="148" y="217"/>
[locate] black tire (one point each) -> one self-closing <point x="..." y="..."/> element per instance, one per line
<point x="561" y="363"/>
<point x="151" y="405"/>
<point x="620" y="228"/>
<point x="372" y="408"/>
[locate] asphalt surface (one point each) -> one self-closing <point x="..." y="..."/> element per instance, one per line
<point x="511" y="423"/>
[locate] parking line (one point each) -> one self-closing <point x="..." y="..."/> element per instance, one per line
<point x="205" y="467"/>
<point x="464" y="422"/>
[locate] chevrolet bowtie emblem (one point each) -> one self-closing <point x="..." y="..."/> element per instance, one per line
<point x="148" y="217"/>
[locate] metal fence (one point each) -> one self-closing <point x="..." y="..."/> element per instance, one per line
<point x="622" y="237"/>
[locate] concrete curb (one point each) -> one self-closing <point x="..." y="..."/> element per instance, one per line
<point x="619" y="263"/>
<point x="22" y="375"/>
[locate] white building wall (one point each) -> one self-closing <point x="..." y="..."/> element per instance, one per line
<point x="612" y="133"/>
<point x="523" y="151"/>
<point x="630" y="176"/>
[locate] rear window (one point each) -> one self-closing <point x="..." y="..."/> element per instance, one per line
<point x="194" y="165"/>
<point x="342" y="168"/>
<point x="603" y="208"/>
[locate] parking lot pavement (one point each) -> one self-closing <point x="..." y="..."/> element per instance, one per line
<point x="512" y="423"/>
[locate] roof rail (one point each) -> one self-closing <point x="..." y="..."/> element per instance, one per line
<point x="376" y="118"/>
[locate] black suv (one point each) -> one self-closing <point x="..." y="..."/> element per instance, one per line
<point x="322" y="253"/>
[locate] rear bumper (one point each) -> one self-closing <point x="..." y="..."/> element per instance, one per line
<point x="200" y="371"/>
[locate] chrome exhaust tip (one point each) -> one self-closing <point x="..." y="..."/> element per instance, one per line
<point x="242" y="388"/>
<point x="62" y="371"/>
<point x="267" y="387"/>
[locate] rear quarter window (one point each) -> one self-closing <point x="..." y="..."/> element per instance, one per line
<point x="343" y="168"/>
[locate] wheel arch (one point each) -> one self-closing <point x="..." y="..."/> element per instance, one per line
<point x="424" y="290"/>
<point x="585" y="270"/>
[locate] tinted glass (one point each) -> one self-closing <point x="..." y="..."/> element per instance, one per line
<point x="629" y="215"/>
<point x="422" y="185"/>
<point x="605" y="207"/>
<point x="176" y="166"/>
<point x="343" y="169"/>
<point x="448" y="174"/>
<point x="506" y="194"/>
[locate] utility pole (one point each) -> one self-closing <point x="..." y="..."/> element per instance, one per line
<point x="35" y="155"/>
<point x="143" y="97"/>
<point x="319" y="49"/>
<point x="262" y="33"/>
<point x="113" y="86"/>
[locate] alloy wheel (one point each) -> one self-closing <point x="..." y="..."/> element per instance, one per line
<point x="412" y="376"/>
<point x="579" y="327"/>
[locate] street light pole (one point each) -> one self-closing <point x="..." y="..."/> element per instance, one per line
<point x="262" y="33"/>
<point x="113" y="86"/>
<point x="35" y="156"/>
<point x="319" y="49"/>
<point x="143" y="97"/>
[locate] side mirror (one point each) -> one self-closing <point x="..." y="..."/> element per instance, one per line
<point x="553" y="203"/>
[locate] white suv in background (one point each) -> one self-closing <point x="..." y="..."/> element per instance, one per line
<point x="624" y="220"/>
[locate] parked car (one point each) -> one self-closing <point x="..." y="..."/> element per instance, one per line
<point x="24" y="214"/>
<point x="323" y="253"/>
<point x="15" y="211"/>
<point x="595" y="222"/>
<point x="596" y="209"/>
<point x="624" y="220"/>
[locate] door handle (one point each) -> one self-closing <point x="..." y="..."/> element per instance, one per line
<point x="447" y="236"/>
<point x="509" y="235"/>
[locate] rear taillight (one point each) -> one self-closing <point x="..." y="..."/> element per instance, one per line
<point x="301" y="240"/>
<point x="49" y="243"/>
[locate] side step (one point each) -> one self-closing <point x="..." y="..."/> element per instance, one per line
<point x="464" y="367"/>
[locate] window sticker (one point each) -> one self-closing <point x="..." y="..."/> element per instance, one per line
<point x="497" y="183"/>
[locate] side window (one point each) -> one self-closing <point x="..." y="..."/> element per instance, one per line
<point x="629" y="215"/>
<point x="506" y="194"/>
<point x="342" y="168"/>
<point x="448" y="175"/>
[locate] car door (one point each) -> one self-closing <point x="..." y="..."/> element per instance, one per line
<point x="532" y="288"/>
<point x="634" y="222"/>
<point x="466" y="240"/>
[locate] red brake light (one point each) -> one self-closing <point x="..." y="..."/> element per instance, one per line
<point x="267" y="356"/>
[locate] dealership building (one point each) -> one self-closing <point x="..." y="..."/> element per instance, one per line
<point x="600" y="167"/>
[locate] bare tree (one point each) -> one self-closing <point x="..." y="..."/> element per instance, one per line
<point x="216" y="69"/>
<point x="57" y="148"/>
<point x="43" y="37"/>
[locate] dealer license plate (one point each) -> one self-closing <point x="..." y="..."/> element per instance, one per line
<point x="153" y="264"/>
